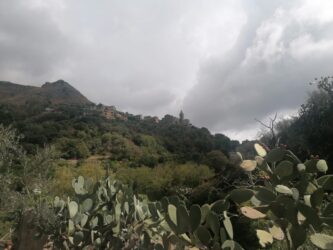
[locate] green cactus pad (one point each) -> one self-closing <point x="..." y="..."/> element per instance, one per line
<point x="153" y="210"/>
<point x="328" y="210"/>
<point x="317" y="197"/>
<point x="174" y="200"/>
<point x="87" y="205"/>
<point x="71" y="227"/>
<point x="328" y="184"/>
<point x="172" y="212"/>
<point x="183" y="219"/>
<point x="277" y="232"/>
<point x="78" y="238"/>
<point x="321" y="180"/>
<point x="295" y="194"/>
<point x="264" y="195"/>
<point x="261" y="151"/>
<point x="73" y="208"/>
<point x="284" y="169"/>
<point x="248" y="165"/>
<point x="241" y="195"/>
<point x="322" y="166"/>
<point x="220" y="206"/>
<point x="298" y="235"/>
<point x="81" y="219"/>
<point x="275" y="155"/>
<point x="231" y="245"/>
<point x="214" y="223"/>
<point x="228" y="226"/>
<point x="265" y="238"/>
<point x="195" y="217"/>
<point x="165" y="203"/>
<point x="301" y="167"/>
<point x="323" y="241"/>
<point x="80" y="180"/>
<point x="311" y="166"/>
<point x="204" y="212"/>
<point x="203" y="235"/>
<point x="283" y="190"/>
<point x="310" y="215"/>
<point x="252" y="213"/>
<point x="223" y="234"/>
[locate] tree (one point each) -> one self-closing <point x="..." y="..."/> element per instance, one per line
<point x="311" y="132"/>
<point x="73" y="148"/>
<point x="217" y="160"/>
<point x="270" y="137"/>
<point x="10" y="149"/>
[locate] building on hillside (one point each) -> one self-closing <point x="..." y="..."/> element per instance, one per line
<point x="49" y="110"/>
<point x="153" y="119"/>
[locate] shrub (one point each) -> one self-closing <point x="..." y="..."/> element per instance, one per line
<point x="161" y="180"/>
<point x="292" y="204"/>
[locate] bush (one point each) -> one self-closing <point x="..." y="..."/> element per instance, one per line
<point x="62" y="182"/>
<point x="161" y="180"/>
<point x="292" y="204"/>
<point x="73" y="148"/>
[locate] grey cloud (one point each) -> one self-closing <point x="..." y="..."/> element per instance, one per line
<point x="267" y="71"/>
<point x="31" y="44"/>
<point x="224" y="62"/>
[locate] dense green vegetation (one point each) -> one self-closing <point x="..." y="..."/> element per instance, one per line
<point x="293" y="205"/>
<point x="311" y="131"/>
<point x="154" y="183"/>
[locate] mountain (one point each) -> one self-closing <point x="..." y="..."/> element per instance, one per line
<point x="59" y="92"/>
<point x="86" y="129"/>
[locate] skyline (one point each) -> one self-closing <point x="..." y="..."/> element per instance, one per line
<point x="224" y="63"/>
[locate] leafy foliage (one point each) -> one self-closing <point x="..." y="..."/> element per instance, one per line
<point x="310" y="132"/>
<point x="291" y="205"/>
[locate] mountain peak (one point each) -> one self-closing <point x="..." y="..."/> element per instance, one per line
<point x="58" y="84"/>
<point x="58" y="92"/>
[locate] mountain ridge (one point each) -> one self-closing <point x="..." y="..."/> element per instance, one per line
<point x="58" y="92"/>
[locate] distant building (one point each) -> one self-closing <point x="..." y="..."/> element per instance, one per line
<point x="154" y="119"/>
<point x="111" y="113"/>
<point x="49" y="110"/>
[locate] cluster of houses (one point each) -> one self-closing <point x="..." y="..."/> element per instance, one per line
<point x="111" y="113"/>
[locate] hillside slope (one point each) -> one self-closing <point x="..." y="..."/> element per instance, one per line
<point x="59" y="92"/>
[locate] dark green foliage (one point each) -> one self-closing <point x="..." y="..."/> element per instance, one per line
<point x="103" y="215"/>
<point x="140" y="141"/>
<point x="217" y="160"/>
<point x="73" y="148"/>
<point x="311" y="131"/>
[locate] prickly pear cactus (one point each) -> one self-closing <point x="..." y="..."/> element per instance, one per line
<point x="293" y="204"/>
<point x="106" y="215"/>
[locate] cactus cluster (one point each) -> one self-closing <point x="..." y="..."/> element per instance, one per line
<point x="208" y="226"/>
<point x="107" y="215"/>
<point x="294" y="203"/>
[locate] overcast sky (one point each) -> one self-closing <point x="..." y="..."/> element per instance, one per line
<point x="224" y="63"/>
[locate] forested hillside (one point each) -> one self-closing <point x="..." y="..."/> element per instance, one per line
<point x="310" y="133"/>
<point x="89" y="176"/>
<point x="79" y="128"/>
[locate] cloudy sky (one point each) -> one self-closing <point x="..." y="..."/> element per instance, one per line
<point x="224" y="63"/>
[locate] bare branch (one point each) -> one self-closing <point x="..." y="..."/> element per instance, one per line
<point x="263" y="124"/>
<point x="270" y="127"/>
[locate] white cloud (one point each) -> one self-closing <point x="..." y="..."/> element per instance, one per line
<point x="266" y="74"/>
<point x="225" y="62"/>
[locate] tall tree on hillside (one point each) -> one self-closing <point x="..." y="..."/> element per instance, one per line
<point x="311" y="132"/>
